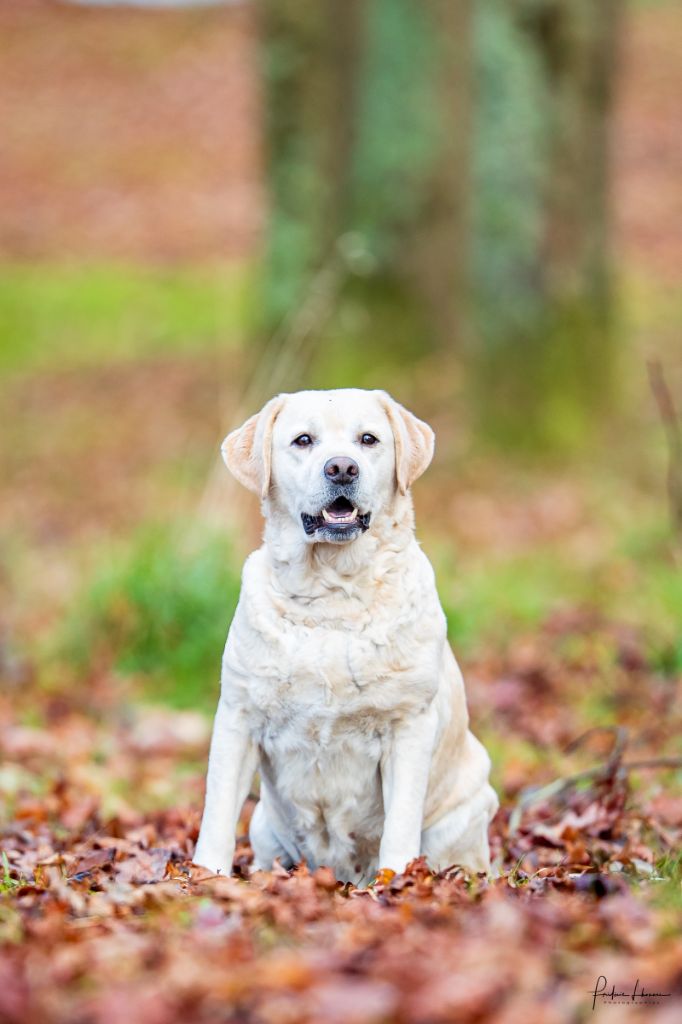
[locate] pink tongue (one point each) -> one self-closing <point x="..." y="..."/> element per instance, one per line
<point x="339" y="513"/>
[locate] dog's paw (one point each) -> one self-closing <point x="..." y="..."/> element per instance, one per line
<point x="395" y="860"/>
<point x="200" y="871"/>
<point x="211" y="863"/>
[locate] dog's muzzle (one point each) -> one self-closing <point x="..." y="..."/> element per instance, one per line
<point x="338" y="519"/>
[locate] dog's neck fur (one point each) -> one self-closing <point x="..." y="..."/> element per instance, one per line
<point x="302" y="569"/>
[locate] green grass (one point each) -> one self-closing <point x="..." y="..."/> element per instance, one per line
<point x="156" y="609"/>
<point x="649" y="593"/>
<point x="636" y="579"/>
<point x="7" y="883"/>
<point x="667" y="892"/>
<point x="487" y="602"/>
<point x="51" y="315"/>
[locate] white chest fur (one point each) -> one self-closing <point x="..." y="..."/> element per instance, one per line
<point x="335" y="654"/>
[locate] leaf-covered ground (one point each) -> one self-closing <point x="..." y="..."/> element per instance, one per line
<point x="103" y="919"/>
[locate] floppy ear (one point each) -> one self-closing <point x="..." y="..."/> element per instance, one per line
<point x="414" y="443"/>
<point x="247" y="451"/>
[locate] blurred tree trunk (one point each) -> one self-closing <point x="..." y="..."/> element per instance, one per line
<point x="553" y="355"/>
<point x="440" y="245"/>
<point x="310" y="54"/>
<point x="577" y="42"/>
<point x="369" y="138"/>
<point x="313" y="49"/>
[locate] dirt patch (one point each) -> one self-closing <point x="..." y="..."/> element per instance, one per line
<point x="647" y="143"/>
<point x="129" y="134"/>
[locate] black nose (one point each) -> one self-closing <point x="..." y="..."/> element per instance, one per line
<point x="341" y="470"/>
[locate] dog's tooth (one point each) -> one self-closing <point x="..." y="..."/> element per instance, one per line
<point x="340" y="520"/>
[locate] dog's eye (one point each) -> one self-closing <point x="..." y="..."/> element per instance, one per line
<point x="303" y="441"/>
<point x="369" y="439"/>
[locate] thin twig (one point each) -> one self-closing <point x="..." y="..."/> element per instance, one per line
<point x="537" y="794"/>
<point x="620" y="742"/>
<point x="653" y="762"/>
<point x="673" y="433"/>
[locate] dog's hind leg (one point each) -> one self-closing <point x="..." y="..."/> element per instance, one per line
<point x="461" y="835"/>
<point x="264" y="843"/>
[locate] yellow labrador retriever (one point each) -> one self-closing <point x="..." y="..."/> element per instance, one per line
<point x="338" y="682"/>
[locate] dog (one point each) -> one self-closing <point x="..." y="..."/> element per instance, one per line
<point x="338" y="682"/>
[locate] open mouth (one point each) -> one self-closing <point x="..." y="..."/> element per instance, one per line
<point x="341" y="515"/>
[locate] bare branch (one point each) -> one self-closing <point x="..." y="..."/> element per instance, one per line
<point x="673" y="433"/>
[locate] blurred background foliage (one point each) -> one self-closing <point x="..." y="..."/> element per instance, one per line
<point x="469" y="204"/>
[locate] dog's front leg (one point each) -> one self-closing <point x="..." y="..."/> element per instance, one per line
<point x="231" y="766"/>
<point x="405" y="770"/>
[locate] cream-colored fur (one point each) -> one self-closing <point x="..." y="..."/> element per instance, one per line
<point x="338" y="682"/>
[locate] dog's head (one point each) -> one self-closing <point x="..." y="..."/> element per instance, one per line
<point x="330" y="459"/>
